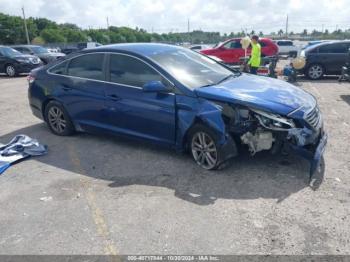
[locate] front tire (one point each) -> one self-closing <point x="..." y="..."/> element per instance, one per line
<point x="204" y="147"/>
<point x="11" y="70"/>
<point x="58" y="119"/>
<point x="315" y="71"/>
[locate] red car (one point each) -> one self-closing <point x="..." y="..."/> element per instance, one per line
<point x="231" y="50"/>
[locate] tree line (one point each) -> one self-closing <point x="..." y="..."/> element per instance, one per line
<point x="45" y="31"/>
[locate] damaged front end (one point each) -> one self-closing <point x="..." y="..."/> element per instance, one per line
<point x="299" y="132"/>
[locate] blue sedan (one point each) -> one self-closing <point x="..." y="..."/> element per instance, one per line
<point x="176" y="97"/>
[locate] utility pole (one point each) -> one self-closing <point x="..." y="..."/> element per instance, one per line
<point x="188" y="30"/>
<point x="107" y="23"/>
<point x="25" y="26"/>
<point x="287" y="27"/>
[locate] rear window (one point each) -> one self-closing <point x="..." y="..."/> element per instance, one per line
<point x="285" y="43"/>
<point x="59" y="69"/>
<point x="87" y="66"/>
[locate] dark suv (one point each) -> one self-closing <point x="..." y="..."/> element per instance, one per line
<point x="39" y="51"/>
<point x="325" y="58"/>
<point x="13" y="62"/>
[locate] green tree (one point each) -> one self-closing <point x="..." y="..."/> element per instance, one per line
<point x="38" y="41"/>
<point x="73" y="36"/>
<point x="53" y="36"/>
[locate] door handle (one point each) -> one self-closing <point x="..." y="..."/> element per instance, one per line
<point x="66" y="88"/>
<point x="113" y="97"/>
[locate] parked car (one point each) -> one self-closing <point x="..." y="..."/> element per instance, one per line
<point x="286" y="47"/>
<point x="13" y="62"/>
<point x="199" y="47"/>
<point x="231" y="50"/>
<point x="311" y="43"/>
<point x="176" y="97"/>
<point x="326" y="58"/>
<point x="69" y="50"/>
<point x="54" y="50"/>
<point x="88" y="45"/>
<point x="39" y="51"/>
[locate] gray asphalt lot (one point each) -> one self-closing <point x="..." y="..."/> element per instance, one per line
<point x="110" y="195"/>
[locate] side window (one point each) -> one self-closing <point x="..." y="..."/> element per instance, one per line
<point x="19" y="49"/>
<point x="228" y="45"/>
<point x="326" y="49"/>
<point x="262" y="44"/>
<point x="340" y="48"/>
<point x="87" y="66"/>
<point x="133" y="72"/>
<point x="233" y="45"/>
<point x="59" y="69"/>
<point x="25" y="50"/>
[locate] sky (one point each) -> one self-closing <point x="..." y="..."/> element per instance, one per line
<point x="162" y="16"/>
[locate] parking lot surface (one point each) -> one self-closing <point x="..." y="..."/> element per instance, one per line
<point x="109" y="195"/>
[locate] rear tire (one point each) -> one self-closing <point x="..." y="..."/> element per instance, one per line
<point x="315" y="72"/>
<point x="204" y="147"/>
<point x="58" y="119"/>
<point x="10" y="70"/>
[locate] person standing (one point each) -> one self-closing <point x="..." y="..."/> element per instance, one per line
<point x="255" y="58"/>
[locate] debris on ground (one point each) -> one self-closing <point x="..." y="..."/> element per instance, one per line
<point x="19" y="148"/>
<point x="46" y="199"/>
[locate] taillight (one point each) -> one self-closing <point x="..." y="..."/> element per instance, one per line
<point x="30" y="79"/>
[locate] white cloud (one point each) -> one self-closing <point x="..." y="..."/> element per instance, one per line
<point x="169" y="15"/>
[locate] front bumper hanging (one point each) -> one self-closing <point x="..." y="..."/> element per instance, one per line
<point x="314" y="156"/>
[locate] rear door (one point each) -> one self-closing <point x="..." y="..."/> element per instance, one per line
<point x="333" y="56"/>
<point x="79" y="84"/>
<point x="130" y="110"/>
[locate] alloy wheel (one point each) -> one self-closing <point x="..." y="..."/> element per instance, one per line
<point x="315" y="71"/>
<point x="10" y="70"/>
<point x="56" y="119"/>
<point x="204" y="150"/>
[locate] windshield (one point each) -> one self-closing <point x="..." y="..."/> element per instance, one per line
<point x="190" y="68"/>
<point x="39" y="50"/>
<point x="9" y="52"/>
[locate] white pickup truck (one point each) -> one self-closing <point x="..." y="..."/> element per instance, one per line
<point x="286" y="47"/>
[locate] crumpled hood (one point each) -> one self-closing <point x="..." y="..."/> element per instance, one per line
<point x="260" y="92"/>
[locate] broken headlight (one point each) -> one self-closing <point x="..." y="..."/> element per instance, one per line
<point x="273" y="121"/>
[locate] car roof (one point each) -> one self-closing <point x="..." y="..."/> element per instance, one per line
<point x="145" y="49"/>
<point x="323" y="43"/>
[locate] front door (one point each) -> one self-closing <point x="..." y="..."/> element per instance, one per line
<point x="132" y="111"/>
<point x="232" y="51"/>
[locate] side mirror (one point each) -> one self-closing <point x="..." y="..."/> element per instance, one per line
<point x="155" y="86"/>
